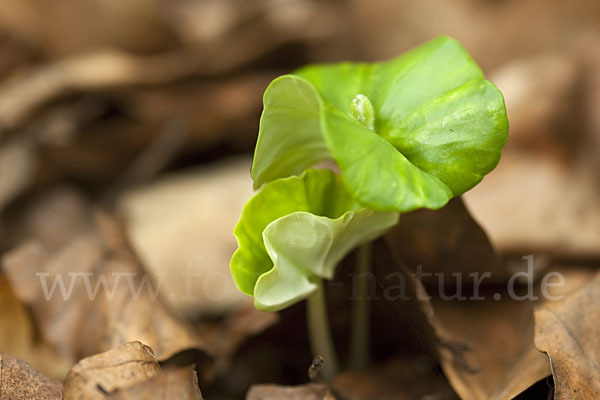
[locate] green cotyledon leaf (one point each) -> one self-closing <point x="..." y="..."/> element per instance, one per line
<point x="407" y="133"/>
<point x="294" y="231"/>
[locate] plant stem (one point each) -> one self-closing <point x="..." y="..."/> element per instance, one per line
<point x="361" y="328"/>
<point x="319" y="332"/>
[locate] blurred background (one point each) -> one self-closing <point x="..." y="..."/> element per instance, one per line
<point x="108" y="96"/>
<point x="150" y="108"/>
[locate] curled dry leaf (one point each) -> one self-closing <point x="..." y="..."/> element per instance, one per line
<point x="172" y="383"/>
<point x="303" y="392"/>
<point x="95" y="376"/>
<point x="569" y="333"/>
<point x="19" y="381"/>
<point x="105" y="298"/>
<point x="485" y="346"/>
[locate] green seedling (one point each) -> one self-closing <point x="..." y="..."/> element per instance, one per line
<point x="408" y="133"/>
<point x="291" y="236"/>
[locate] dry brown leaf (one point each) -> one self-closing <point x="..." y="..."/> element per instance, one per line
<point x="575" y="278"/>
<point x="94" y="377"/>
<point x="569" y="333"/>
<point x="17" y="336"/>
<point x="445" y="241"/>
<point x="180" y="384"/>
<point x="486" y="347"/>
<point x="189" y="242"/>
<point x="19" y="381"/>
<point x="303" y="392"/>
<point x="535" y="202"/>
<point x="94" y="317"/>
<point x="59" y="320"/>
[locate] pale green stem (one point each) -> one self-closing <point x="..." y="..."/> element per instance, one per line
<point x="361" y="330"/>
<point x="320" y="334"/>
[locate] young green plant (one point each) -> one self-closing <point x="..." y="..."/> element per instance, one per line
<point x="407" y="133"/>
<point x="291" y="236"/>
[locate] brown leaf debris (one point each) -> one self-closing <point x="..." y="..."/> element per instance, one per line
<point x="19" y="381"/>
<point x="569" y="332"/>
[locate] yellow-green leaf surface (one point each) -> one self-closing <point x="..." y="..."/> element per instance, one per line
<point x="407" y="133"/>
<point x="294" y="232"/>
